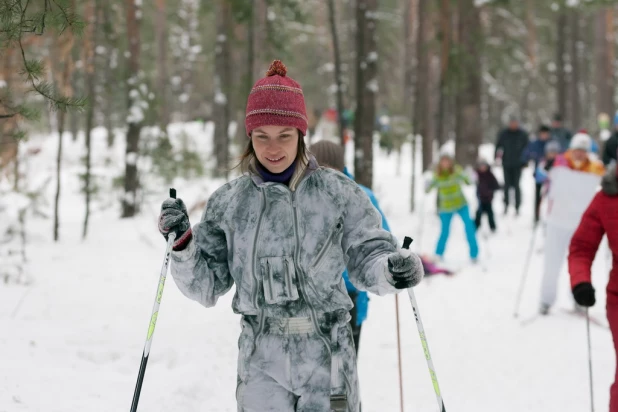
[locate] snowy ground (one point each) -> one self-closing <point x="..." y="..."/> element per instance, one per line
<point x="72" y="341"/>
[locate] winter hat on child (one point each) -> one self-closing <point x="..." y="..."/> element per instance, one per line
<point x="328" y="154"/>
<point x="552" y="147"/>
<point x="276" y="100"/>
<point x="447" y="153"/>
<point x="581" y="141"/>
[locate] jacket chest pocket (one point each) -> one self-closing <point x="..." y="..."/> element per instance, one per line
<point x="278" y="279"/>
<point x="334" y="237"/>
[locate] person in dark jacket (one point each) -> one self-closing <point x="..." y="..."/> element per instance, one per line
<point x="535" y="151"/>
<point x="560" y="133"/>
<point x="511" y="143"/>
<point x="610" y="150"/>
<point x="487" y="184"/>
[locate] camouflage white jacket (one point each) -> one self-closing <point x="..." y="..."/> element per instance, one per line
<point x="286" y="250"/>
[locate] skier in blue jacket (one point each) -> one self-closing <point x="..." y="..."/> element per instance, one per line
<point x="329" y="154"/>
<point x="535" y="151"/>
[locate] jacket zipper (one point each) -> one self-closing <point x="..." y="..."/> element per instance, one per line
<point x="301" y="279"/>
<point x="254" y="263"/>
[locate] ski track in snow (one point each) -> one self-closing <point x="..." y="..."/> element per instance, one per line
<point x="74" y="342"/>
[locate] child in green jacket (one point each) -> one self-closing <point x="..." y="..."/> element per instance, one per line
<point x="448" y="179"/>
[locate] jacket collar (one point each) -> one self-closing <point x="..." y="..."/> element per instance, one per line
<point x="304" y="167"/>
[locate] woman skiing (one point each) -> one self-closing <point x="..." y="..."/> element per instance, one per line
<point x="448" y="179"/>
<point x="283" y="233"/>
<point x="600" y="218"/>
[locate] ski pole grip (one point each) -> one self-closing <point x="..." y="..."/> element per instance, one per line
<point x="407" y="241"/>
<point x="172" y="193"/>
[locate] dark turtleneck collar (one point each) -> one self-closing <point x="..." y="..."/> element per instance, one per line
<point x="283" y="177"/>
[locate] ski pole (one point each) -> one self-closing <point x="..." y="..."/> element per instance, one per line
<point x="153" y="316"/>
<point x="590" y="361"/>
<point x="399" y="354"/>
<point x="524" y="274"/>
<point x="421" y="331"/>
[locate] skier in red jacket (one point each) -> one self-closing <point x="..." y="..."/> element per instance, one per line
<point x="600" y="218"/>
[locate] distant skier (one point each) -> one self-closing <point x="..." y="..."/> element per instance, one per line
<point x="510" y="146"/>
<point x="573" y="182"/>
<point x="541" y="174"/>
<point x="535" y="151"/>
<point x="486" y="186"/>
<point x="283" y="233"/>
<point x="560" y="133"/>
<point x="448" y="179"/>
<point x="601" y="218"/>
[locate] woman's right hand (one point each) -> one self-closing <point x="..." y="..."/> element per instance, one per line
<point x="173" y="218"/>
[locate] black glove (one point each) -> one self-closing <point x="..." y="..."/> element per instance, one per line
<point x="406" y="269"/>
<point x="175" y="219"/>
<point x="584" y="294"/>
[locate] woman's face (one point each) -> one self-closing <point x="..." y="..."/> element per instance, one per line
<point x="445" y="163"/>
<point x="275" y="146"/>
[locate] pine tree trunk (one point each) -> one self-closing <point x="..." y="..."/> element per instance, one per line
<point x="531" y="48"/>
<point x="410" y="8"/>
<point x="337" y="57"/>
<point x="250" y="40"/>
<point x="222" y="89"/>
<point x="575" y="98"/>
<point x="108" y="77"/>
<point x="366" y="88"/>
<point x="63" y="81"/>
<point x="163" y="86"/>
<point x="561" y="83"/>
<point x="90" y="45"/>
<point x="443" y="95"/>
<point x="60" y="116"/>
<point x="408" y="23"/>
<point x="260" y="41"/>
<point x="421" y="102"/>
<point x="131" y="180"/>
<point x="470" y="137"/>
<point x="604" y="65"/>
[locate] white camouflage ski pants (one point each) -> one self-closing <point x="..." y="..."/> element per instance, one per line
<point x="556" y="249"/>
<point x="288" y="367"/>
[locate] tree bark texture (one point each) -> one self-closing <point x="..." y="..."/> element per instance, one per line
<point x="90" y="44"/>
<point x="574" y="95"/>
<point x="561" y="81"/>
<point x="421" y="102"/>
<point x="603" y="63"/>
<point x="131" y="178"/>
<point x="222" y="83"/>
<point x="162" y="70"/>
<point x="332" y="14"/>
<point x="64" y="64"/>
<point x="470" y="137"/>
<point x="366" y="88"/>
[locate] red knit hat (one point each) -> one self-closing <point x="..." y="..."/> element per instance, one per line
<point x="276" y="100"/>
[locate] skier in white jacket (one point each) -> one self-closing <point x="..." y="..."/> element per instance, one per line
<point x="283" y="233"/>
<point x="573" y="182"/>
